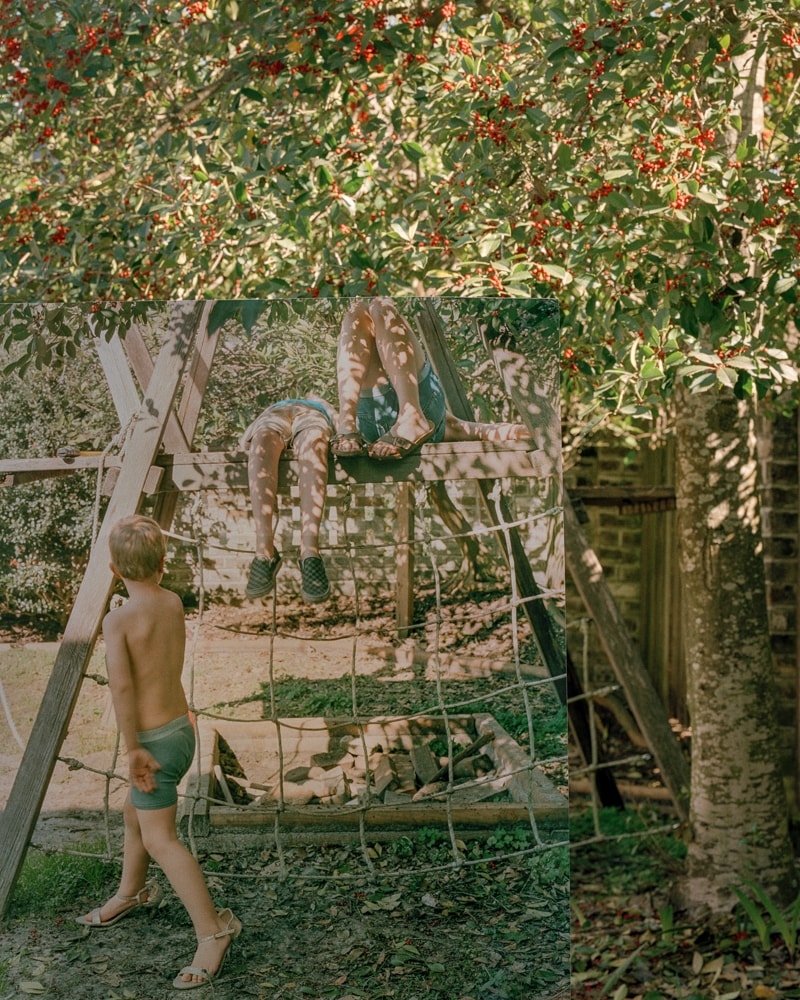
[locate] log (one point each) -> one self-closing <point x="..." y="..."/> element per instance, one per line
<point x="425" y="764"/>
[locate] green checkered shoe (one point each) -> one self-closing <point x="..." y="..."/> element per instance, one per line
<point x="315" y="586"/>
<point x="262" y="576"/>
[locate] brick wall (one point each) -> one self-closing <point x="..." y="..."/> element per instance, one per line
<point x="615" y="538"/>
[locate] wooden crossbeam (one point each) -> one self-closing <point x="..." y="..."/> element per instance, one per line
<point x="18" y="820"/>
<point x="198" y="470"/>
<point x="455" y="460"/>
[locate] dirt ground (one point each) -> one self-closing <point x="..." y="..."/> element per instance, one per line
<point x="321" y="920"/>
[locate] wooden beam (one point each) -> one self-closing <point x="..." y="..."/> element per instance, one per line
<point x="205" y="345"/>
<point x="643" y="701"/>
<point x="114" y="361"/>
<point x="580" y="724"/>
<point x="18" y="820"/>
<point x="454" y="460"/>
<point x="627" y="499"/>
<point x="136" y="349"/>
<point x="44" y="467"/>
<point x="210" y="470"/>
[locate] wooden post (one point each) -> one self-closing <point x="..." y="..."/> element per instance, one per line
<point x="404" y="538"/>
<point x="18" y="820"/>
<point x="648" y="710"/>
<point x="458" y="402"/>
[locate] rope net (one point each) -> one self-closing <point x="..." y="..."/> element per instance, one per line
<point x="591" y="823"/>
<point x="514" y="692"/>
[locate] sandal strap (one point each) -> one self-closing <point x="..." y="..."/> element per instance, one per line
<point x="194" y="970"/>
<point x="148" y="887"/>
<point x="228" y="932"/>
<point x="232" y="930"/>
<point x="130" y="899"/>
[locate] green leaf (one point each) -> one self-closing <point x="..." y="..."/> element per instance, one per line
<point x="250" y="311"/>
<point x="784" y="284"/>
<point x="727" y="376"/>
<point x="413" y="150"/>
<point x="221" y="312"/>
<point x="651" y="370"/>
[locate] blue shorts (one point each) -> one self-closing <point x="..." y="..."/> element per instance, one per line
<point x="172" y="746"/>
<point x="379" y="408"/>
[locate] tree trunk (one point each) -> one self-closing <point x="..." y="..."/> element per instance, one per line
<point x="738" y="809"/>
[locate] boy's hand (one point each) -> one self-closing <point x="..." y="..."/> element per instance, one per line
<point x="143" y="766"/>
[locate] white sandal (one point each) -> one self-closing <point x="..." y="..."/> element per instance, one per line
<point x="233" y="930"/>
<point x="154" y="895"/>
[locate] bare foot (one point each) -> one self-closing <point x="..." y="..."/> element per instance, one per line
<point x="508" y="432"/>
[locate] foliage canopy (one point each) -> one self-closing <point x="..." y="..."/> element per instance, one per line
<point x="605" y="153"/>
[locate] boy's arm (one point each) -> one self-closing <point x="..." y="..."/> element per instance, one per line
<point x="141" y="763"/>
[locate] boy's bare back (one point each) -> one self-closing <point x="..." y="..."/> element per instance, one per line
<point x="145" y="640"/>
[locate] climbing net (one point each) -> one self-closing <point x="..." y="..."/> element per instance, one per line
<point x="521" y="696"/>
<point x="652" y="817"/>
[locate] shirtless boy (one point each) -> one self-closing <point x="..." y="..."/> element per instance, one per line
<point x="145" y="639"/>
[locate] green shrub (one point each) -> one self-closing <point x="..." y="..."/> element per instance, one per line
<point x="47" y="524"/>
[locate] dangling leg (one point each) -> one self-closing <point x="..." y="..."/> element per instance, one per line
<point x="132" y="891"/>
<point x="265" y="450"/>
<point x="264" y="454"/>
<point x="311" y="450"/>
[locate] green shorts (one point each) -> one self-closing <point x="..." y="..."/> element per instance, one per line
<point x="172" y="746"/>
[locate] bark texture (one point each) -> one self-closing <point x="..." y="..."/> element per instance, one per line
<point x="738" y="808"/>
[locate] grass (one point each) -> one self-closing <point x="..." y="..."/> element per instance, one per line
<point x="639" y="851"/>
<point x="496" y="928"/>
<point x="48" y="883"/>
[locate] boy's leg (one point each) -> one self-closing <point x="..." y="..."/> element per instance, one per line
<point x="160" y="838"/>
<point x="402" y="359"/>
<point x="311" y="450"/>
<point x="135" y="862"/>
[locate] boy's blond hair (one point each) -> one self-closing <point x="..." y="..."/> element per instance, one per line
<point x="137" y="547"/>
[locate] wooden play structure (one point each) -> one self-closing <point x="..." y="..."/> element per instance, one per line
<point x="159" y="461"/>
